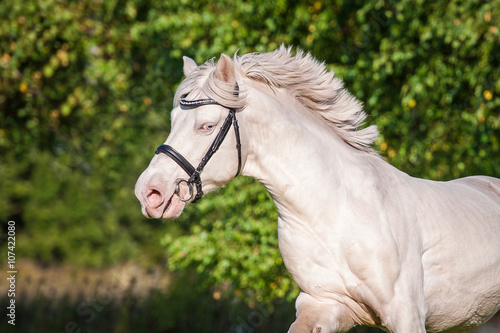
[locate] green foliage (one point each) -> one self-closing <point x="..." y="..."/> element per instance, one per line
<point x="86" y="88"/>
<point x="233" y="237"/>
<point x="79" y="101"/>
<point x="428" y="77"/>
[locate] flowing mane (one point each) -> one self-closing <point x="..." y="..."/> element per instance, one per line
<point x="305" y="78"/>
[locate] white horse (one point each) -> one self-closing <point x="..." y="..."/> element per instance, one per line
<point x="366" y="243"/>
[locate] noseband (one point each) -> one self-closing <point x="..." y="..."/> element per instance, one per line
<point x="194" y="173"/>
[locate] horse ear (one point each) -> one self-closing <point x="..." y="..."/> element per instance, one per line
<point x="225" y="69"/>
<point x="189" y="65"/>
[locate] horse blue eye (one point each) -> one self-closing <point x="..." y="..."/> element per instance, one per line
<point x="207" y="127"/>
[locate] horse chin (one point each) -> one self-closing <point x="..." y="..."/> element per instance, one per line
<point x="173" y="208"/>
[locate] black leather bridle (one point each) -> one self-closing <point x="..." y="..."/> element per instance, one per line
<point x="194" y="173"/>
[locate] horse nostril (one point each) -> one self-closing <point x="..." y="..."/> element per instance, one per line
<point x="154" y="198"/>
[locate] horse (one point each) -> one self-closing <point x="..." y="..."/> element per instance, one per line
<point x="366" y="243"/>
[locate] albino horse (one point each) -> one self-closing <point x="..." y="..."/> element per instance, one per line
<point x="366" y="243"/>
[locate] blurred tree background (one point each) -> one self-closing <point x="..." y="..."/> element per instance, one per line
<point x="86" y="89"/>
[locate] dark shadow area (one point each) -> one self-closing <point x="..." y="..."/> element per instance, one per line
<point x="130" y="299"/>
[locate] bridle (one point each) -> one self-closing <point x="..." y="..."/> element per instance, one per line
<point x="194" y="174"/>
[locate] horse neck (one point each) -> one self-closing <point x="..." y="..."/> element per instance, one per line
<point x="299" y="158"/>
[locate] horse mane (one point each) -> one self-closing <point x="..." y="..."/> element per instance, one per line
<point x="304" y="77"/>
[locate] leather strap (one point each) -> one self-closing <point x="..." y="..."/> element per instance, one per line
<point x="177" y="157"/>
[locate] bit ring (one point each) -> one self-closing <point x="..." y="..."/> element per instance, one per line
<point x="178" y="190"/>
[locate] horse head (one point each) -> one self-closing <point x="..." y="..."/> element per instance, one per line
<point x="201" y="121"/>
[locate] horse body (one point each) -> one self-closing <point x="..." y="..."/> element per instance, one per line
<point x="376" y="221"/>
<point x="365" y="242"/>
<point x="461" y="246"/>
